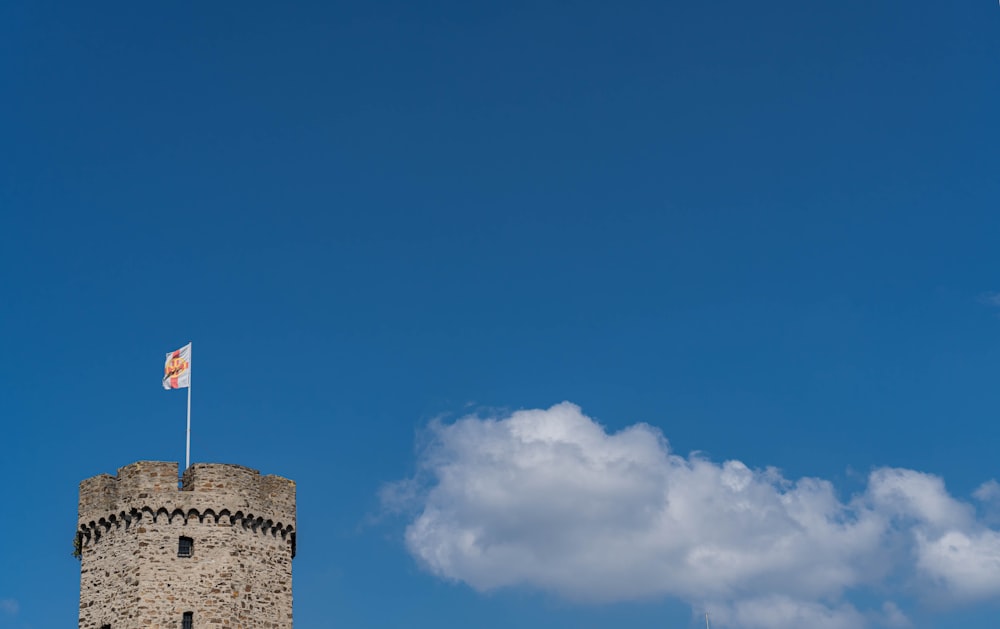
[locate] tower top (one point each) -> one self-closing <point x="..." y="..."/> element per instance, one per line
<point x="204" y="486"/>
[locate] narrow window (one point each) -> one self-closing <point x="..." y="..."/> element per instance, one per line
<point x="105" y="626"/>
<point x="188" y="621"/>
<point x="185" y="547"/>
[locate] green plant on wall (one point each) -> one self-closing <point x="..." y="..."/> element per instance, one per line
<point x="78" y="546"/>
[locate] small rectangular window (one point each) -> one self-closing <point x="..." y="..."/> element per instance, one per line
<point x="185" y="547"/>
<point x="188" y="621"/>
<point x="105" y="626"/>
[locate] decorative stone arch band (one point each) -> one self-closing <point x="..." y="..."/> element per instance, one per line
<point x="91" y="532"/>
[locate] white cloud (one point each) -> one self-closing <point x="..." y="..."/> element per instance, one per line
<point x="548" y="499"/>
<point x="778" y="611"/>
<point x="917" y="496"/>
<point x="892" y="616"/>
<point x="966" y="564"/>
<point x="988" y="491"/>
<point x="988" y="495"/>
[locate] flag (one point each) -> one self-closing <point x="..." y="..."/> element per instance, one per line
<point x="177" y="369"/>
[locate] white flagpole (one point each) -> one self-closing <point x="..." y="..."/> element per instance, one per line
<point x="187" y="456"/>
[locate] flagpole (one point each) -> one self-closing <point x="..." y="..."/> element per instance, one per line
<point x="187" y="455"/>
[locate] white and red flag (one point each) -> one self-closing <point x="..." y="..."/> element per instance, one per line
<point x="177" y="369"/>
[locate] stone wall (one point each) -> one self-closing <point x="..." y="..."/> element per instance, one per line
<point x="239" y="575"/>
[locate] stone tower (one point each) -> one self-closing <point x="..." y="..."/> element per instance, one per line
<point x="215" y="552"/>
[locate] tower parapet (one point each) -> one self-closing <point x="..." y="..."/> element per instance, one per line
<point x="218" y="545"/>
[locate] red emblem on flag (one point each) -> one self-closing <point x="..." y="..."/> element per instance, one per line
<point x="177" y="369"/>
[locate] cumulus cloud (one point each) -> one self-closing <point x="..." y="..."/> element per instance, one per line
<point x="548" y="499"/>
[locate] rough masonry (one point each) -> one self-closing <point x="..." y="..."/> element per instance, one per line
<point x="218" y="548"/>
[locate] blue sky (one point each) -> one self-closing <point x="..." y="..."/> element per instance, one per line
<point x="747" y="243"/>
